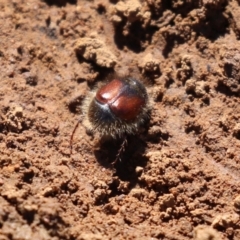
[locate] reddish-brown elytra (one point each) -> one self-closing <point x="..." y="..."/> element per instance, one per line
<point x="118" y="108"/>
<point x="109" y="92"/>
<point x="124" y="100"/>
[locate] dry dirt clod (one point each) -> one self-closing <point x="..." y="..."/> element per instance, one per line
<point x="205" y="233"/>
<point x="95" y="50"/>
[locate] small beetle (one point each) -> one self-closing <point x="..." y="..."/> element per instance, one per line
<point x="117" y="109"/>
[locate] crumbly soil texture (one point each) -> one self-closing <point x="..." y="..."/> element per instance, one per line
<point x="178" y="178"/>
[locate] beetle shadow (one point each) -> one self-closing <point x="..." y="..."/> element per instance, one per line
<point x="129" y="159"/>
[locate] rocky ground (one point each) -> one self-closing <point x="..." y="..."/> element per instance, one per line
<point x="178" y="179"/>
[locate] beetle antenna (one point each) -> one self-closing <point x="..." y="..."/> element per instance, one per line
<point x="72" y="135"/>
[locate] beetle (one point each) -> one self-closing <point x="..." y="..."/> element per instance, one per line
<point x="116" y="109"/>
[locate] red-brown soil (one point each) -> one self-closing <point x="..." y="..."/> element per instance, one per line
<point x="178" y="179"/>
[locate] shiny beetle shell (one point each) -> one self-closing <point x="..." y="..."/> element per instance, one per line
<point x="117" y="108"/>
